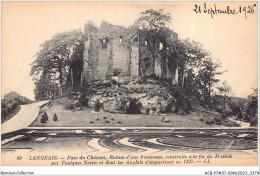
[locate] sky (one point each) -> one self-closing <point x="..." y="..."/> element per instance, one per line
<point x="232" y="39"/>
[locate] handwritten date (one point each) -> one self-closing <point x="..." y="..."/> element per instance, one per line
<point x="212" y="11"/>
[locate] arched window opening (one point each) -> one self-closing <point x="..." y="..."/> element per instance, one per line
<point x="145" y="42"/>
<point x="160" y="46"/>
<point x="104" y="43"/>
<point x="121" y="40"/>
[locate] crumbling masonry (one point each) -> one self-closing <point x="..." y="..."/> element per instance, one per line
<point x="132" y="51"/>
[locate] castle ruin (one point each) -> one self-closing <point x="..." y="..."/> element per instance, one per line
<point x="132" y="51"/>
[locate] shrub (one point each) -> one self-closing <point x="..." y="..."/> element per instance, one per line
<point x="183" y="103"/>
<point x="107" y="84"/>
<point x="55" y="117"/>
<point x="43" y="118"/>
<point x="97" y="106"/>
<point x="134" y="107"/>
<point x="224" y="115"/>
<point x="84" y="100"/>
<point x="76" y="104"/>
<point x="217" y="121"/>
<point x="154" y="108"/>
<point x="117" y="71"/>
<point x="114" y="82"/>
<point x="46" y="116"/>
<point x="254" y="121"/>
<point x="68" y="105"/>
<point x="10" y="104"/>
<point x="209" y="122"/>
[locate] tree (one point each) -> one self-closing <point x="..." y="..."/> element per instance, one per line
<point x="151" y="22"/>
<point x="208" y="70"/>
<point x="10" y="104"/>
<point x="251" y="108"/>
<point x="190" y="55"/>
<point x="45" y="88"/>
<point x="55" y="57"/>
<point x="14" y="96"/>
<point x="224" y="90"/>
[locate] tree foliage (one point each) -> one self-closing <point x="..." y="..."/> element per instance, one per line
<point x="224" y="91"/>
<point x="153" y="19"/>
<point x="53" y="61"/>
<point x="45" y="88"/>
<point x="207" y="76"/>
<point x="14" y="96"/>
<point x="61" y="57"/>
<point x="150" y="23"/>
<point x="251" y="108"/>
<point x="197" y="72"/>
<point x="10" y="104"/>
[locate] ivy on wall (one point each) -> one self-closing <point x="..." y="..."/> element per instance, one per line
<point x="110" y="60"/>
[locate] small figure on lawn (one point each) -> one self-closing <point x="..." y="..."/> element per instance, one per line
<point x="42" y="118"/>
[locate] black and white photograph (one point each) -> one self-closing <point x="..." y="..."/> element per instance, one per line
<point x="129" y="83"/>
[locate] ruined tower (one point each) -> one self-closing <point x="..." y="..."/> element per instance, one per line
<point x="130" y="51"/>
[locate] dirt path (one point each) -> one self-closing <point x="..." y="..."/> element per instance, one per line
<point x="23" y="118"/>
<point x="241" y="123"/>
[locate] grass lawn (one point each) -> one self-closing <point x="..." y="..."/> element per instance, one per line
<point x="89" y="118"/>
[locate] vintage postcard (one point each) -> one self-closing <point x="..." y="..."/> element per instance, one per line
<point x="129" y="84"/>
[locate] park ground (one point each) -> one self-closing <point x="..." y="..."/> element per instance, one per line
<point x="87" y="117"/>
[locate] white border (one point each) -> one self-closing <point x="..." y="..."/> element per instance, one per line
<point x="131" y="170"/>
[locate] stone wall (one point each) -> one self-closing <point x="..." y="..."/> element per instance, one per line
<point x="121" y="52"/>
<point x="90" y="54"/>
<point x="146" y="58"/>
<point x="134" y="62"/>
<point x="102" y="60"/>
<point x="109" y="48"/>
<point x="134" y="52"/>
